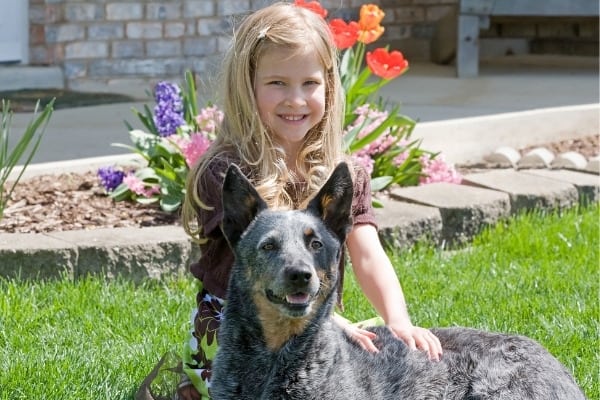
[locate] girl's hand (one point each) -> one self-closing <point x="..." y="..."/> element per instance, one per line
<point x="363" y="337"/>
<point x="418" y="338"/>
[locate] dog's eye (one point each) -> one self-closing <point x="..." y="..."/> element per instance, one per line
<point x="268" y="246"/>
<point x="315" y="245"/>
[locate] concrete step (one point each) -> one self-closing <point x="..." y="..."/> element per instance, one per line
<point x="439" y="213"/>
<point x="17" y="77"/>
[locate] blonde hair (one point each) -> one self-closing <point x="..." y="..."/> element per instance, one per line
<point x="242" y="133"/>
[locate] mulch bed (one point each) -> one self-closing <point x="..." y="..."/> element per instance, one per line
<point x="72" y="201"/>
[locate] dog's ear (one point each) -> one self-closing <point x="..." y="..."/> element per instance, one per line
<point x="333" y="202"/>
<point x="241" y="203"/>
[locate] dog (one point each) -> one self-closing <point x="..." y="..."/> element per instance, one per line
<point x="278" y="339"/>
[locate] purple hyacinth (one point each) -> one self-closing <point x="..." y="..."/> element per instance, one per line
<point x="110" y="177"/>
<point x="168" y="111"/>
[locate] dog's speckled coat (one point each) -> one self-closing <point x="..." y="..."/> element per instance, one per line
<point x="277" y="340"/>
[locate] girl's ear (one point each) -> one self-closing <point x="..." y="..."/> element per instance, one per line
<point x="333" y="202"/>
<point x="241" y="204"/>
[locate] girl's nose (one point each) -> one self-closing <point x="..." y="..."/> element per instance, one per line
<point x="295" y="97"/>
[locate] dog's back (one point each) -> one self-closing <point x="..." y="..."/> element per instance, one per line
<point x="278" y="340"/>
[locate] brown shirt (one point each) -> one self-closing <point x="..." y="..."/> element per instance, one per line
<point x="214" y="266"/>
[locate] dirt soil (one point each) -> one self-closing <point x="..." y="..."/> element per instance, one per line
<point x="72" y="201"/>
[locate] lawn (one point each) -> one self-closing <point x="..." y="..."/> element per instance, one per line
<point x="536" y="275"/>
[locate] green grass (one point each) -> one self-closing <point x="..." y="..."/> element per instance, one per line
<point x="537" y="275"/>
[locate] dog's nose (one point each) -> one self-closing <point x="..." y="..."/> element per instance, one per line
<point x="298" y="275"/>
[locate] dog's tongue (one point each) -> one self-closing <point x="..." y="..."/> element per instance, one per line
<point x="297" y="298"/>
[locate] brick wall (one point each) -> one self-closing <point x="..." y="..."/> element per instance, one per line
<point x="115" y="44"/>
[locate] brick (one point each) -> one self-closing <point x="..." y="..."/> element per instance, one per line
<point x="79" y="50"/>
<point x="409" y="14"/>
<point x="37" y="14"/>
<point x="212" y="26"/>
<point x="174" y="29"/>
<point x="436" y="13"/>
<point x="198" y="8"/>
<point x="75" y="69"/>
<point x="163" y="11"/>
<point x="143" y="30"/>
<point x="124" y="11"/>
<point x="64" y="33"/>
<point x="127" y="49"/>
<point x="83" y="12"/>
<point x="199" y="46"/>
<point x="37" y="35"/>
<point x="106" y="31"/>
<point x="163" y="48"/>
<point x="53" y="14"/>
<point x="232" y="7"/>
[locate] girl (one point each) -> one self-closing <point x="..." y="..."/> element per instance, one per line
<point x="283" y="111"/>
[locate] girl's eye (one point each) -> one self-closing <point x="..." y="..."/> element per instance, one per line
<point x="312" y="83"/>
<point x="276" y="83"/>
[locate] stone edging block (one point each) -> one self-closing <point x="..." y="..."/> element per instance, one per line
<point x="465" y="210"/>
<point x="36" y="256"/>
<point x="527" y="192"/>
<point x="404" y="224"/>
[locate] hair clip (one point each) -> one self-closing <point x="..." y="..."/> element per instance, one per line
<point x="263" y="32"/>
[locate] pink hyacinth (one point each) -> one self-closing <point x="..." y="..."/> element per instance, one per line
<point x="376" y="118"/>
<point x="192" y="148"/>
<point x="208" y="120"/>
<point x="138" y="186"/>
<point x="437" y="170"/>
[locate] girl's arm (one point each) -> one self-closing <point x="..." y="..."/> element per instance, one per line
<point x="377" y="278"/>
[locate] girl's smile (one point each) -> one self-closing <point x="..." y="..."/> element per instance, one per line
<point x="289" y="89"/>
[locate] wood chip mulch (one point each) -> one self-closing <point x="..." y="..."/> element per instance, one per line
<point x="73" y="201"/>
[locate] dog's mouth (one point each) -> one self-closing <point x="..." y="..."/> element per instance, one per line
<point x="295" y="301"/>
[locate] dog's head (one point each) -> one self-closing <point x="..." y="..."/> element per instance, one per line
<point x="287" y="261"/>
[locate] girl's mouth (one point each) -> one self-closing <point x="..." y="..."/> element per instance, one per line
<point x="292" y="118"/>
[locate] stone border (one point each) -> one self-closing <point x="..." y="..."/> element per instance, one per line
<point x="441" y="213"/>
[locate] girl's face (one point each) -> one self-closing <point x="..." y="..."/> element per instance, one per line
<point x="289" y="89"/>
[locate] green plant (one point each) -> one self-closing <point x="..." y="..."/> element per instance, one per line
<point x="177" y="135"/>
<point x="377" y="136"/>
<point x="26" y="146"/>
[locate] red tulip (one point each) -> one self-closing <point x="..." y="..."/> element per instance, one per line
<point x="313" y="6"/>
<point x="344" y="34"/>
<point x="387" y="65"/>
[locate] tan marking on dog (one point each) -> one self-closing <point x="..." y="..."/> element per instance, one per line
<point x="278" y="328"/>
<point x="325" y="200"/>
<point x="308" y="232"/>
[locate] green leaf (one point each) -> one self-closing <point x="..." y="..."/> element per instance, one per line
<point x="26" y="146"/>
<point x="380" y="183"/>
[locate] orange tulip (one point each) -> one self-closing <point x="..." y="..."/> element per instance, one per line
<point x="370" y="16"/>
<point x="387" y="65"/>
<point x="370" y="23"/>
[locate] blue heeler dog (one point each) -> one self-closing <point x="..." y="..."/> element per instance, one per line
<point x="278" y="340"/>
